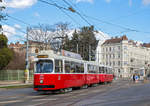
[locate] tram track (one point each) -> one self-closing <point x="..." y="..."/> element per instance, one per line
<point x="103" y="93"/>
<point x="81" y="95"/>
<point x="100" y="93"/>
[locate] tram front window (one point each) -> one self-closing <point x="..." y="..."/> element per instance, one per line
<point x="44" y="66"/>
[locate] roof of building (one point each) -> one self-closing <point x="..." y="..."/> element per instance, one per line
<point x="146" y="45"/>
<point x="15" y="45"/>
<point x="116" y="40"/>
<point x="124" y="37"/>
<point x="35" y="42"/>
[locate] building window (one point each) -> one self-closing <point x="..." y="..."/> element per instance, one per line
<point x="113" y="55"/>
<point x="118" y="70"/>
<point x="106" y="49"/>
<point x="113" y="63"/>
<point x="125" y="62"/>
<point x="131" y="60"/>
<point x="109" y="48"/>
<point x="103" y="56"/>
<point x="110" y="56"/>
<point x="118" y="63"/>
<point x="110" y="64"/>
<point x="106" y="56"/>
<point x="113" y="48"/>
<point x="118" y="47"/>
<point x="118" y="55"/>
<point x="106" y="63"/>
<point x="125" y="47"/>
<point x="146" y="62"/>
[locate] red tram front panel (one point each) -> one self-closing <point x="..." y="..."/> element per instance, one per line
<point x="57" y="81"/>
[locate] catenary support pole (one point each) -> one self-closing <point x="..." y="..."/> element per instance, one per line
<point x="27" y="58"/>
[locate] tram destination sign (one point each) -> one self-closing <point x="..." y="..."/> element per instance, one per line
<point x="71" y="54"/>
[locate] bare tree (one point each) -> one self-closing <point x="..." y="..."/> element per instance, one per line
<point x="49" y="34"/>
<point x="42" y="34"/>
<point x="61" y="33"/>
<point x="62" y="28"/>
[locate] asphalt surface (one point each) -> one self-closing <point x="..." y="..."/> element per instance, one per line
<point x="119" y="93"/>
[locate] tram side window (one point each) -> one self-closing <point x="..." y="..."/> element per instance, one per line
<point x="91" y="69"/>
<point x="100" y="69"/>
<point x="110" y="71"/>
<point x="67" y="66"/>
<point x="106" y="70"/>
<point x="77" y="67"/>
<point x="97" y="69"/>
<point x="82" y="68"/>
<point x="58" y="66"/>
<point x="72" y="67"/>
<point x="103" y="70"/>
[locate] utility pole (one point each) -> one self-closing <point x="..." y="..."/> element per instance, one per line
<point x="27" y="58"/>
<point x="77" y="48"/>
<point x="89" y="52"/>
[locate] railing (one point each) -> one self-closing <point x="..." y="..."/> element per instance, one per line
<point x="14" y="75"/>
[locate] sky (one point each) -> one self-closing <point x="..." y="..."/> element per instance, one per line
<point x="113" y="17"/>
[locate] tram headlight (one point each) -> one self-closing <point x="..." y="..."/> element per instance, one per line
<point x="41" y="81"/>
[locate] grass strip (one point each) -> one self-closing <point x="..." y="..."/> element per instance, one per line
<point x="17" y="86"/>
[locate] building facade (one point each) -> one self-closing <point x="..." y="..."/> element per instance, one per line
<point x="34" y="47"/>
<point x="126" y="57"/>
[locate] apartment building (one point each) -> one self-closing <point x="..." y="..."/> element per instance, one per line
<point x="126" y="57"/>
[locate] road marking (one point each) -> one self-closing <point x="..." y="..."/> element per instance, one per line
<point x="95" y="91"/>
<point x="45" y="99"/>
<point x="36" y="96"/>
<point x="83" y="94"/>
<point x="37" y="104"/>
<point x="63" y="95"/>
<point x="13" y="101"/>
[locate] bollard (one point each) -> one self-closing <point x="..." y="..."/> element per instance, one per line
<point x="26" y="76"/>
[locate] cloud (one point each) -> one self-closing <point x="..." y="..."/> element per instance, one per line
<point x="36" y="14"/>
<point x="108" y="1"/>
<point x="18" y="3"/>
<point x="12" y="34"/>
<point x="90" y="1"/>
<point x="17" y="26"/>
<point x="146" y="2"/>
<point x="9" y="31"/>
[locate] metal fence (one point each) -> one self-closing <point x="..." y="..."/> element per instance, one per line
<point x="14" y="75"/>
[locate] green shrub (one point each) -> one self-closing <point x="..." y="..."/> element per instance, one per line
<point x="5" y="56"/>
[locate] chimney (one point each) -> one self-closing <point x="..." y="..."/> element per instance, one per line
<point x="124" y="37"/>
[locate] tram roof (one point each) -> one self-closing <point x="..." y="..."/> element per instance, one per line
<point x="51" y="54"/>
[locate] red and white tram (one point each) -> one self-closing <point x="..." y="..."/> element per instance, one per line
<point x="56" y="72"/>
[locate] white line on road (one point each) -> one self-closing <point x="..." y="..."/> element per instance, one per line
<point x="13" y="101"/>
<point x="36" y="96"/>
<point x="45" y="99"/>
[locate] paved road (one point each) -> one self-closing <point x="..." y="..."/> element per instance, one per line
<point x="119" y="93"/>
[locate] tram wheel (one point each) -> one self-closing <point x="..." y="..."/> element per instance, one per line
<point x="94" y="85"/>
<point x="69" y="89"/>
<point x="84" y="86"/>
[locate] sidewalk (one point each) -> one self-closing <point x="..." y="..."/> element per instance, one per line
<point x="13" y="83"/>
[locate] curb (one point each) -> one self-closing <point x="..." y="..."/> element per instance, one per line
<point x="14" y="85"/>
